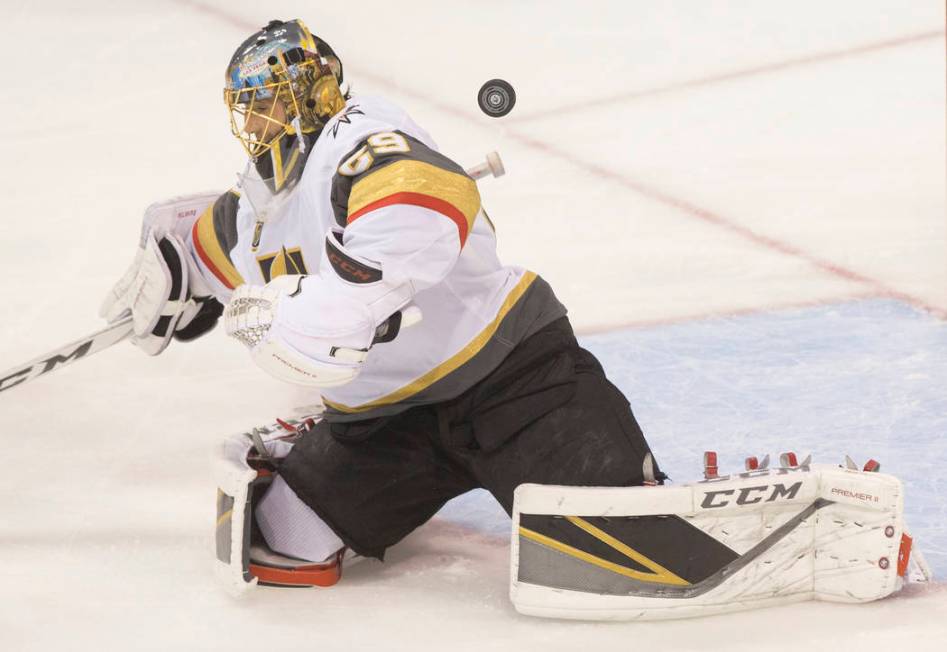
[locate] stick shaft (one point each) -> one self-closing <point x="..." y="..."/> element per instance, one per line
<point x="66" y="354"/>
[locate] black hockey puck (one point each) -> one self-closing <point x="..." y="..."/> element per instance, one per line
<point x="496" y="98"/>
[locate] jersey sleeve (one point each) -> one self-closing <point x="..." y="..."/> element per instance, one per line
<point x="404" y="206"/>
<point x="211" y="240"/>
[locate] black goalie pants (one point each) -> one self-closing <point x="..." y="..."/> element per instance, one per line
<point x="547" y="414"/>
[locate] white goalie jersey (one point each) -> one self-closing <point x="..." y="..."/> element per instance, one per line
<point x="376" y="194"/>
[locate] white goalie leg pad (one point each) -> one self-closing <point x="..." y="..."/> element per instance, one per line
<point x="234" y="477"/>
<point x="235" y="483"/>
<point x="755" y="539"/>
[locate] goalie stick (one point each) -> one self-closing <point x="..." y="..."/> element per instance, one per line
<point x="121" y="329"/>
<point x="67" y="354"/>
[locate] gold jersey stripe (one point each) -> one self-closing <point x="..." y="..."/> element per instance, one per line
<point x="654" y="578"/>
<point x="452" y="363"/>
<point x="419" y="177"/>
<point x="212" y="253"/>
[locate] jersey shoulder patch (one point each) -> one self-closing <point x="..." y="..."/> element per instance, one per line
<point x="343" y="118"/>
<point x="391" y="167"/>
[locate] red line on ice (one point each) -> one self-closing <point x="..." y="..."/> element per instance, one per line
<point x="765" y="69"/>
<point x="732" y="226"/>
<point x="877" y="288"/>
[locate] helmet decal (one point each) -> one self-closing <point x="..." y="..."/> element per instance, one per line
<point x="281" y="87"/>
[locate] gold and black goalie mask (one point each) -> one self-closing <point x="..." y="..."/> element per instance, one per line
<point x="282" y="87"/>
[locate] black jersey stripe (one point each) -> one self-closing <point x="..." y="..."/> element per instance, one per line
<point x="225" y="221"/>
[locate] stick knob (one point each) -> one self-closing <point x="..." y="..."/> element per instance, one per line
<point x="493" y="166"/>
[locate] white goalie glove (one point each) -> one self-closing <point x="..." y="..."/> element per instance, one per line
<point x="301" y="332"/>
<point x="161" y="294"/>
<point x="154" y="292"/>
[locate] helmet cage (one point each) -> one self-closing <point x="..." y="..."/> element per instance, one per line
<point x="285" y="83"/>
<point x="260" y="101"/>
<point x="284" y="63"/>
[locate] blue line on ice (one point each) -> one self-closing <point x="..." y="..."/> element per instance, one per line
<point x="864" y="378"/>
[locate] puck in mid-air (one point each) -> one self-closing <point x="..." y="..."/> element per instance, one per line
<point x="496" y="98"/>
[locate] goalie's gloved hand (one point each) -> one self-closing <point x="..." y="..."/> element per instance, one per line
<point x="280" y="348"/>
<point x="154" y="292"/>
<point x="209" y="311"/>
<point x="288" y="346"/>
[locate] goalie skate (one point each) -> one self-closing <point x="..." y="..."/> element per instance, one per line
<point x="244" y="466"/>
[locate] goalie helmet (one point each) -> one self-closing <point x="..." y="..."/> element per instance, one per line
<point x="288" y="80"/>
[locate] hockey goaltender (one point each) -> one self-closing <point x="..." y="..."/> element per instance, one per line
<point x="356" y="258"/>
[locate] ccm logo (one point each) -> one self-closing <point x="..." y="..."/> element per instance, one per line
<point x="750" y="495"/>
<point x="48" y="365"/>
<point x="355" y="273"/>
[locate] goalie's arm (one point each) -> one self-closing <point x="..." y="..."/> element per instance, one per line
<point x="210" y="240"/>
<point x="404" y="206"/>
<point x="403" y="214"/>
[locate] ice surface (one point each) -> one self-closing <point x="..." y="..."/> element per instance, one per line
<point x="863" y="378"/>
<point x="742" y="204"/>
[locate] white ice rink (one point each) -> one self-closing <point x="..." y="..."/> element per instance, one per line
<point x="742" y="203"/>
